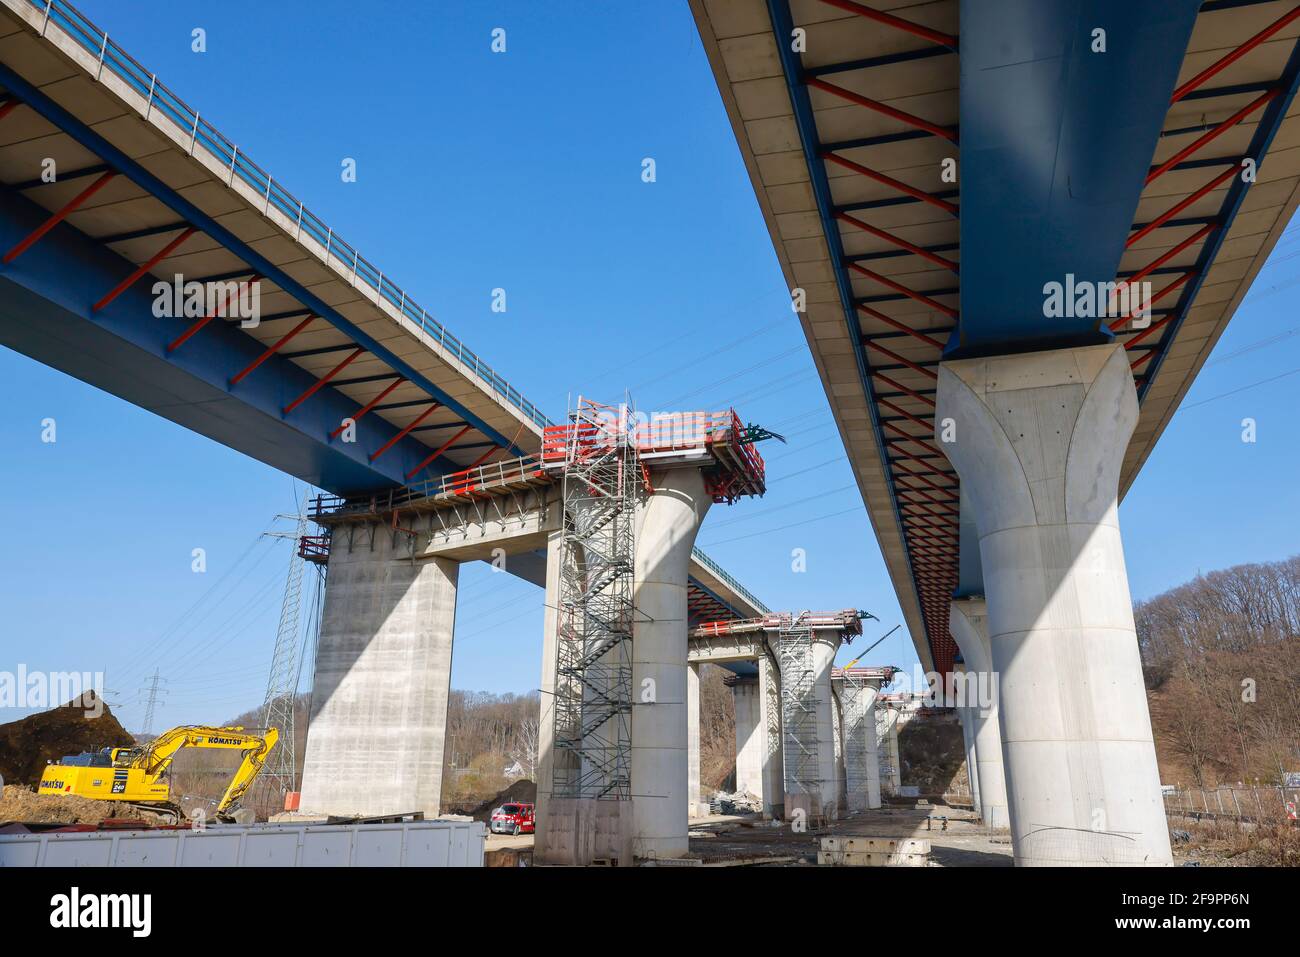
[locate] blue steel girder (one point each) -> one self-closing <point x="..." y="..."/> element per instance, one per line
<point x="45" y="313"/>
<point x="1057" y="139"/>
<point x="191" y="214"/>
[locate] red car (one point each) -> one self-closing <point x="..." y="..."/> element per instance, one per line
<point x="512" y="819"/>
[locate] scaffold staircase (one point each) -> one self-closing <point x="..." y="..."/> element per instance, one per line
<point x="798" y="706"/>
<point x="593" y="692"/>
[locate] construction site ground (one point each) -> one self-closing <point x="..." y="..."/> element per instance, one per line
<point x="957" y="838"/>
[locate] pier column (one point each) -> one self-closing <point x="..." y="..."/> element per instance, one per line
<point x="545" y="850"/>
<point x="660" y="774"/>
<point x="967" y="722"/>
<point x="695" y="806"/>
<point x="1039" y="441"/>
<point x="383" y="673"/>
<point x="758" y="743"/>
<point x="861" y="762"/>
<point x="968" y="623"/>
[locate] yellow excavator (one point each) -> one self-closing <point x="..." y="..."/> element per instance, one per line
<point x="139" y="775"/>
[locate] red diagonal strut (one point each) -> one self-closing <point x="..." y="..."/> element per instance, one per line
<point x="58" y="217"/>
<point x="272" y="349"/>
<point x="907" y="26"/>
<point x="437" y="452"/>
<point x="316" y="386"/>
<point x="876" y="106"/>
<point x="153" y="260"/>
<point x="902" y="359"/>
<point x="193" y="330"/>
<point x="894" y="323"/>
<point x="898" y="241"/>
<point x="889" y="181"/>
<point x="402" y="434"/>
<point x="1174" y="210"/>
<point x="482" y="458"/>
<point x="1228" y="59"/>
<point x="369" y="405"/>
<point x="920" y="297"/>
<point x="1213" y="134"/>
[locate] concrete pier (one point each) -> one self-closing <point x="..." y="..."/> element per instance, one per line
<point x="543" y="849"/>
<point x="824" y="647"/>
<point x="660" y="763"/>
<point x="891" y="776"/>
<point x="967" y="721"/>
<point x="758" y="744"/>
<point x="696" y="806"/>
<point x="1039" y="441"/>
<point x="861" y="761"/>
<point x="968" y="623"/>
<point x="383" y="673"/>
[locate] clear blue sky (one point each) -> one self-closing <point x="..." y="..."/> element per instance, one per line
<point x="522" y="171"/>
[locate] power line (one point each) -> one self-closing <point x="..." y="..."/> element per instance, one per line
<point x="781" y="528"/>
<point x="152" y="704"/>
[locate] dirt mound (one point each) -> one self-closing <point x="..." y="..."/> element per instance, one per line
<point x="27" y="745"/>
<point x="522" y="791"/>
<point x="932" y="753"/>
<point x="23" y="804"/>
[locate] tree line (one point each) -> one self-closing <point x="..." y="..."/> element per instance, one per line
<point x="1222" y="663"/>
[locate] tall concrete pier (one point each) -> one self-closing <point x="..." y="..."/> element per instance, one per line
<point x="669" y="521"/>
<point x="1039" y="440"/>
<point x="969" y="623"/>
<point x="383" y="673"/>
<point x="758" y="737"/>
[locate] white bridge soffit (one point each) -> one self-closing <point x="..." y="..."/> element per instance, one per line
<point x="738" y="39"/>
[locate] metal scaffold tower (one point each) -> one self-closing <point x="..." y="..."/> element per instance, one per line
<point x="798" y="705"/>
<point x="278" y="775"/>
<point x="859" y="733"/>
<point x="593" y="693"/>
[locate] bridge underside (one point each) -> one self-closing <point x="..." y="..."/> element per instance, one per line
<point x="110" y="185"/>
<point x="926" y="171"/>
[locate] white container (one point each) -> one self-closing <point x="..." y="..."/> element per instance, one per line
<point x="406" y="844"/>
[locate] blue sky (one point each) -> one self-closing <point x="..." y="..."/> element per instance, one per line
<point x="523" y="171"/>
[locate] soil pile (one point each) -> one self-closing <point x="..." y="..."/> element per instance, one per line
<point x="932" y="753"/>
<point x="28" y="745"/>
<point x="23" y="804"/>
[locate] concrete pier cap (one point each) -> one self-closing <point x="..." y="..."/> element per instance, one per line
<point x="1037" y="440"/>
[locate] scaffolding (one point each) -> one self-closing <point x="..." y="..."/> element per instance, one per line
<point x="799" y="703"/>
<point x="593" y="687"/>
<point x="792" y="637"/>
<point x="861" y="763"/>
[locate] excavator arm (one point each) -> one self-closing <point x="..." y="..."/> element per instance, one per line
<point x="254" y="759"/>
<point x="159" y="754"/>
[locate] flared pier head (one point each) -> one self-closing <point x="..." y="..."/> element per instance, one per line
<point x="1037" y="440"/>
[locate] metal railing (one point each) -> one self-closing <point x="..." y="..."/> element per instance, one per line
<point x="1266" y="804"/>
<point x="725" y="577"/>
<point x="202" y="134"/>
